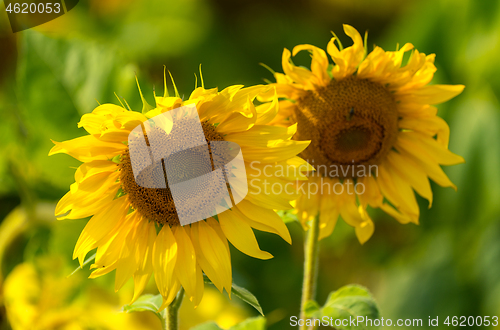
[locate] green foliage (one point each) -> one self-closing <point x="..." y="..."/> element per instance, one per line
<point x="207" y="326"/>
<point x="246" y="296"/>
<point x="152" y="303"/>
<point x="254" y="323"/>
<point x="147" y="303"/>
<point x="346" y="303"/>
<point x="243" y="294"/>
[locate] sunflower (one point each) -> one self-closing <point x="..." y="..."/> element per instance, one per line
<point x="136" y="230"/>
<point x="375" y="136"/>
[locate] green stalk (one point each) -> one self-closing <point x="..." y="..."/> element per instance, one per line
<point x="311" y="256"/>
<point x="172" y="312"/>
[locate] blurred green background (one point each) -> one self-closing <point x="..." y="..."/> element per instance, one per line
<point x="52" y="74"/>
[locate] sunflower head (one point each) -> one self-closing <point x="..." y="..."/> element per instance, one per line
<point x="371" y="122"/>
<point x="352" y="122"/>
<point x="135" y="227"/>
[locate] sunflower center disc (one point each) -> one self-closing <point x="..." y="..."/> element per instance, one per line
<point x="352" y="124"/>
<point x="157" y="203"/>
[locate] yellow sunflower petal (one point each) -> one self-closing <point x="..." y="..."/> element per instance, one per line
<point x="348" y="59"/>
<point x="415" y="142"/>
<point x="433" y="94"/>
<point x="373" y="65"/>
<point x="99" y="226"/>
<point x="94" y="167"/>
<point x="398" y="191"/>
<point x="128" y="261"/>
<point x="165" y="251"/>
<point x="279" y="152"/>
<point x="245" y="95"/>
<point x="200" y="287"/>
<point x="240" y="234"/>
<point x="431" y="168"/>
<point x="355" y="215"/>
<point x="113" y="247"/>
<point x="93" y="122"/>
<point x="286" y="89"/>
<point x="262" y="135"/>
<point x="185" y="268"/>
<point x="371" y="193"/>
<point x="348" y="209"/>
<point x="267" y="111"/>
<point x="81" y="204"/>
<point x="365" y="230"/>
<point x="88" y="148"/>
<point x="298" y="74"/>
<point x="428" y="125"/>
<point x="117" y="135"/>
<point x="203" y="262"/>
<point x="319" y="63"/>
<point x="263" y="219"/>
<point x="125" y="267"/>
<point x="260" y="193"/>
<point x="171" y="294"/>
<point x="328" y="216"/>
<point x="411" y="173"/>
<point x="238" y="121"/>
<point x="103" y="270"/>
<point x="213" y="255"/>
<point x="146" y="236"/>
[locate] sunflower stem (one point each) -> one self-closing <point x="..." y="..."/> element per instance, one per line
<point x="311" y="254"/>
<point x="172" y="317"/>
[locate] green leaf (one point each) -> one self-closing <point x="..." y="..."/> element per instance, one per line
<point x="312" y="309"/>
<point x="346" y="303"/>
<point x="243" y="294"/>
<point x="147" y="302"/>
<point x="254" y="323"/>
<point x="348" y="291"/>
<point x="207" y="326"/>
<point x="247" y="297"/>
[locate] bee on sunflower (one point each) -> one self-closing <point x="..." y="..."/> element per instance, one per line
<point x="372" y="126"/>
<point x="136" y="230"/>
